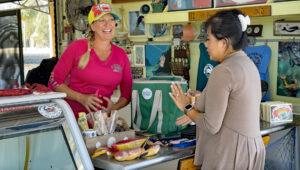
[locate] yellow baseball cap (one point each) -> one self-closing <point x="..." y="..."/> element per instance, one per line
<point x="99" y="10"/>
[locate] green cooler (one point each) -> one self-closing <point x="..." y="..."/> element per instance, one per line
<point x="152" y="108"/>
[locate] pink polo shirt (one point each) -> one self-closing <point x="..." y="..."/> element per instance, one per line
<point x="104" y="76"/>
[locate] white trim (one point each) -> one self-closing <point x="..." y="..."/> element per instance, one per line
<point x="81" y="147"/>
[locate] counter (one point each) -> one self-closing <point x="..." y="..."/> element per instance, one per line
<point x="171" y="153"/>
<point x="165" y="154"/>
<point x="267" y="128"/>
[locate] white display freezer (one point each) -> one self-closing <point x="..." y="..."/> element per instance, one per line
<point x="39" y="131"/>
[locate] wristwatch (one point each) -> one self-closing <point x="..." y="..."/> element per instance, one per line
<point x="187" y="108"/>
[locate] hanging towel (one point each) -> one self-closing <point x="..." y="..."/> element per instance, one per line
<point x="204" y="68"/>
<point x="260" y="55"/>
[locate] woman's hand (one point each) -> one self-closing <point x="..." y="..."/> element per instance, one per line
<point x="183" y="120"/>
<point x="90" y="102"/>
<point x="178" y="96"/>
<point x="110" y="105"/>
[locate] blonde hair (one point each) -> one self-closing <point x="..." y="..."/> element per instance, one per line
<point x="84" y="59"/>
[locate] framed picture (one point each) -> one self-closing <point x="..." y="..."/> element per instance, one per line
<point x="136" y="24"/>
<point x="288" y="69"/>
<point x="159" y="30"/>
<point x="128" y="53"/>
<point x="137" y="72"/>
<point x="139" y="55"/>
<point x="289" y="28"/>
<point x="177" y="30"/>
<point x="158" y="59"/>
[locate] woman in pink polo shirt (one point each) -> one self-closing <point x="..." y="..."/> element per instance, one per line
<point x="94" y="66"/>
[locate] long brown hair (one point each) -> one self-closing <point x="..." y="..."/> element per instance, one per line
<point x="86" y="56"/>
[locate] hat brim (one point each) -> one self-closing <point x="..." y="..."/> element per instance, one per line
<point x="116" y="17"/>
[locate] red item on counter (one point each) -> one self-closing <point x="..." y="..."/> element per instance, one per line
<point x="128" y="140"/>
<point x="104" y="102"/>
<point x="26" y="89"/>
<point x="16" y="108"/>
<point x="35" y="87"/>
<point x="14" y="92"/>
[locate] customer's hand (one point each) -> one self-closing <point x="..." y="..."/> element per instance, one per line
<point x="90" y="102"/>
<point x="183" y="120"/>
<point x="178" y="96"/>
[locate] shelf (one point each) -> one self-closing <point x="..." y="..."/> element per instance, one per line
<point x="251" y="11"/>
<point x="286" y="8"/>
<point x="167" y="17"/>
<point x="256" y="10"/>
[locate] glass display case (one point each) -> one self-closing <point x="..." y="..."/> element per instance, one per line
<point x="39" y="131"/>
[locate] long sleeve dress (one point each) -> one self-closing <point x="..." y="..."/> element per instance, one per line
<point x="228" y="129"/>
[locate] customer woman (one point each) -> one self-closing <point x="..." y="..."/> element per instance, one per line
<point x="227" y="111"/>
<point x="92" y="68"/>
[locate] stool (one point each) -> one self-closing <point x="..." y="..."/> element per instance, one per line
<point x="187" y="164"/>
<point x="266" y="140"/>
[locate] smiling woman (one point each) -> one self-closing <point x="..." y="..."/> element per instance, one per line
<point x="94" y="67"/>
<point x="104" y="29"/>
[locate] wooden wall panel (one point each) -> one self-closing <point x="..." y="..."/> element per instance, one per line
<point x="253" y="11"/>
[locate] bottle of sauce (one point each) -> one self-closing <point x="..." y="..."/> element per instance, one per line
<point x="82" y="121"/>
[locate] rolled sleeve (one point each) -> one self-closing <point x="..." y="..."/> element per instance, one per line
<point x="62" y="68"/>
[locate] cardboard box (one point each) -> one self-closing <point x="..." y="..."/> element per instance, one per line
<point x="276" y="112"/>
<point x="281" y="113"/>
<point x="107" y="140"/>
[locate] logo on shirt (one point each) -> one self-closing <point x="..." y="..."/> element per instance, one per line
<point x="256" y="58"/>
<point x="207" y="70"/>
<point x="116" y="68"/>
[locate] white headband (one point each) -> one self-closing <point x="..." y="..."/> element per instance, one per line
<point x="245" y="20"/>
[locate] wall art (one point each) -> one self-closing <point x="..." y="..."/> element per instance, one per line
<point x="289" y="28"/>
<point x="139" y="55"/>
<point x="288" y="79"/>
<point x="158" y="59"/>
<point x="136" y="24"/>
